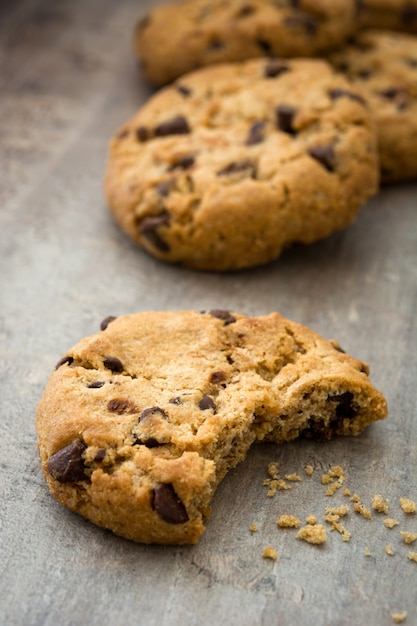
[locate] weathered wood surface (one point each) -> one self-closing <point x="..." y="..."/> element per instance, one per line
<point x="67" y="81"/>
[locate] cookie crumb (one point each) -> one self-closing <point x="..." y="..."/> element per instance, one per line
<point x="288" y="521"/>
<point x="346" y="492"/>
<point x="408" y="506"/>
<point x="270" y="553"/>
<point x="399" y="617"/>
<point x="340" y="511"/>
<point x="389" y="550"/>
<point x="273" y="470"/>
<point x="315" y="534"/>
<point x="408" y="537"/>
<point x="412" y="556"/>
<point x="309" y="470"/>
<point x="253" y="528"/>
<point x="359" y="507"/>
<point x="390" y="522"/>
<point x="293" y="477"/>
<point x="367" y="552"/>
<point x="311" y="519"/>
<point x="379" y="504"/>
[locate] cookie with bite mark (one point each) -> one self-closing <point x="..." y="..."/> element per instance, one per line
<point x="230" y="165"/>
<point x="139" y="423"/>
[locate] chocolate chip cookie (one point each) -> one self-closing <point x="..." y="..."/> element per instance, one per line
<point x="383" y="66"/>
<point x="139" y="423"/>
<point x="228" y="166"/>
<point x="398" y="15"/>
<point x="176" y="38"/>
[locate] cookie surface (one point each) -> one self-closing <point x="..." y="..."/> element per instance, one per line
<point x="139" y="423"/>
<point x="231" y="164"/>
<point x="383" y="66"/>
<point x="398" y="15"/>
<point x="176" y="38"/>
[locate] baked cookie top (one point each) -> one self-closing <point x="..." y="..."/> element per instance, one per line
<point x="232" y="163"/>
<point x="138" y="424"/>
<point x="398" y="15"/>
<point x="383" y="66"/>
<point x="176" y="38"/>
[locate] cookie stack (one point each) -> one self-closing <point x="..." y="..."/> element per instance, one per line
<point x="250" y="144"/>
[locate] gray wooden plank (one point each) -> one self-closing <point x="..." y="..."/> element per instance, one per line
<point x="67" y="81"/>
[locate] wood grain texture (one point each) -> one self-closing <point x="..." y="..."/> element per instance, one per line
<point x="68" y="80"/>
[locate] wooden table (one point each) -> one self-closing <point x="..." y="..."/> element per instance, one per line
<point x="68" y="80"/>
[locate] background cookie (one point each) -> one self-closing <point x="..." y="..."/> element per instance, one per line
<point x="233" y="163"/>
<point x="388" y="14"/>
<point x="139" y="423"/>
<point x="383" y="65"/>
<point x="179" y="37"/>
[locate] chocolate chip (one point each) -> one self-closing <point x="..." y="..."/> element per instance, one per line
<point x="113" y="363"/>
<point x="96" y="384"/>
<point x="221" y="314"/>
<point x="176" y="400"/>
<point x="142" y="134"/>
<point x="65" y="360"/>
<point x="410" y="62"/>
<point x="275" y="68"/>
<point x="256" y="133"/>
<point x="217" y="377"/>
<point x="177" y="125"/>
<point x="238" y="166"/>
<point x="302" y="20"/>
<point x="184" y="163"/>
<point x="166" y="187"/>
<point x="265" y="46"/>
<point x="207" y="403"/>
<point x="100" y="455"/>
<point x="324" y="155"/>
<point x="408" y="14"/>
<point x="154" y="410"/>
<point x="285" y="117"/>
<point x="150" y="442"/>
<point x="344" y="408"/>
<point x="107" y="321"/>
<point x="119" y="405"/>
<point x="167" y="504"/>
<point x="335" y="94"/>
<point x="392" y="92"/>
<point x="67" y="464"/>
<point x="148" y="228"/>
<point x="215" y="44"/>
<point x="364" y="73"/>
<point x="246" y="10"/>
<point x="184" y="91"/>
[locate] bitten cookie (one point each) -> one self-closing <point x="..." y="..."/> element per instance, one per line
<point x="231" y="164"/>
<point x="383" y="66"/>
<point x="138" y="424"/>
<point x="398" y="15"/>
<point x="176" y="38"/>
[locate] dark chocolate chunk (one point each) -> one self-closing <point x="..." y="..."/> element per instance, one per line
<point x="113" y="363"/>
<point x="275" y="68"/>
<point x="119" y="405"/>
<point x="177" y="125"/>
<point x="335" y="94"/>
<point x="166" y="187"/>
<point x="302" y="20"/>
<point x="410" y="62"/>
<point x="183" y="163"/>
<point x="256" y="133"/>
<point x="107" y="321"/>
<point x="142" y="134"/>
<point x="183" y="90"/>
<point x="285" y="117"/>
<point x="67" y="465"/>
<point x="207" y="403"/>
<point x="344" y="406"/>
<point x="154" y="410"/>
<point x="238" y="166"/>
<point x="245" y="10"/>
<point x="100" y="454"/>
<point x="97" y="384"/>
<point x="150" y="442"/>
<point x="265" y="46"/>
<point x="390" y="93"/>
<point x="176" y="400"/>
<point x="65" y="360"/>
<point x="167" y="504"/>
<point x="148" y="228"/>
<point x="217" y="377"/>
<point x="324" y="155"/>
<point x="408" y="14"/>
<point x="221" y="314"/>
